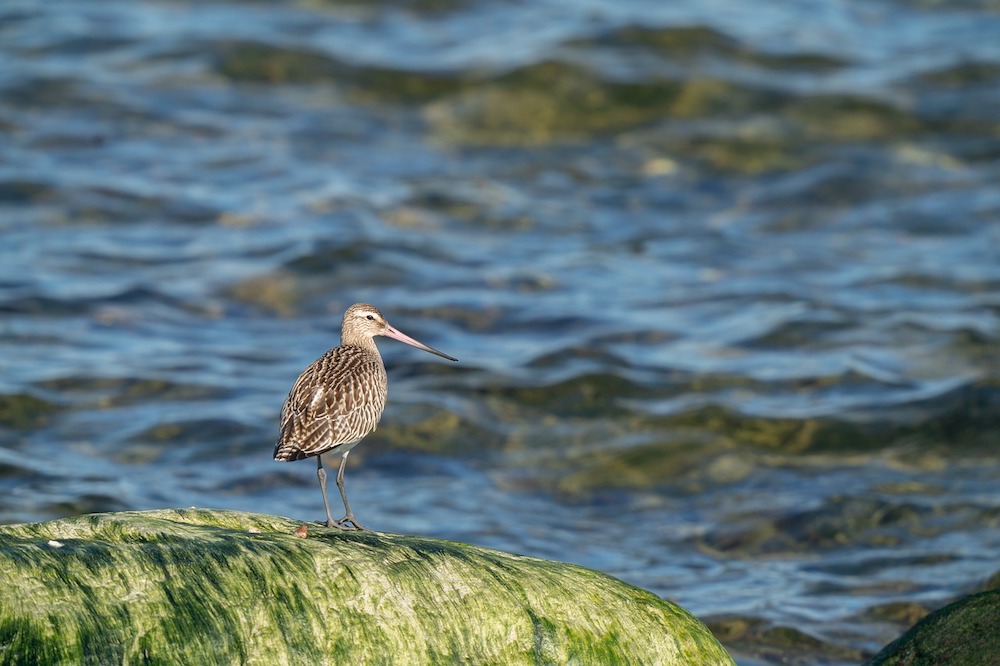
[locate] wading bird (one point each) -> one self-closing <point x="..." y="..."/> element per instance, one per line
<point x="339" y="399"/>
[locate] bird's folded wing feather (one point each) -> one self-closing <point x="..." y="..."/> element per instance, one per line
<point x="336" y="400"/>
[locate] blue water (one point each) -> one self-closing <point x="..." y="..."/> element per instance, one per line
<point x="724" y="281"/>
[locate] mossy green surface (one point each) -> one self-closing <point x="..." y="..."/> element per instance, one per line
<point x="965" y="633"/>
<point x="208" y="586"/>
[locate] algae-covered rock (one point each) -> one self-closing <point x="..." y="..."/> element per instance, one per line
<point x="203" y="586"/>
<point x="965" y="633"/>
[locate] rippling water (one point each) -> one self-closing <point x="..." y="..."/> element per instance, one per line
<point x="724" y="280"/>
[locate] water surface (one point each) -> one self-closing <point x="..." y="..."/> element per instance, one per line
<point x="724" y="283"/>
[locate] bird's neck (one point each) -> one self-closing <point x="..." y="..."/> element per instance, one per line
<point x="363" y="342"/>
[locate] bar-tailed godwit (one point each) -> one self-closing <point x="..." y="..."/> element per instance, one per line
<point x="339" y="399"/>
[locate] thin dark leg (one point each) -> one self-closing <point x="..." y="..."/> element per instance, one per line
<point x="349" y="518"/>
<point x="321" y="473"/>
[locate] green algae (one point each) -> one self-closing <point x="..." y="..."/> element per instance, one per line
<point x="120" y="391"/>
<point x="691" y="44"/>
<point x="965" y="632"/>
<point x="201" y="586"/>
<point x="548" y="102"/>
<point x="254" y="62"/>
<point x="23" y="412"/>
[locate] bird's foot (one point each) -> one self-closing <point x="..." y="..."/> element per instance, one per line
<point x="336" y="524"/>
<point x="349" y="522"/>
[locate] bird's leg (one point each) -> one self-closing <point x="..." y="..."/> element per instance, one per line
<point x="349" y="518"/>
<point x="321" y="473"/>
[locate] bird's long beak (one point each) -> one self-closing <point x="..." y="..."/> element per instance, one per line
<point x="390" y="332"/>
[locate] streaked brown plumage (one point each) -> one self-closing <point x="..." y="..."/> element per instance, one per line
<point x="339" y="399"/>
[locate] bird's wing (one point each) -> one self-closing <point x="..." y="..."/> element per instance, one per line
<point x="336" y="400"/>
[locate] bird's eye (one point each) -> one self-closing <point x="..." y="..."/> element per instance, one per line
<point x="371" y="318"/>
